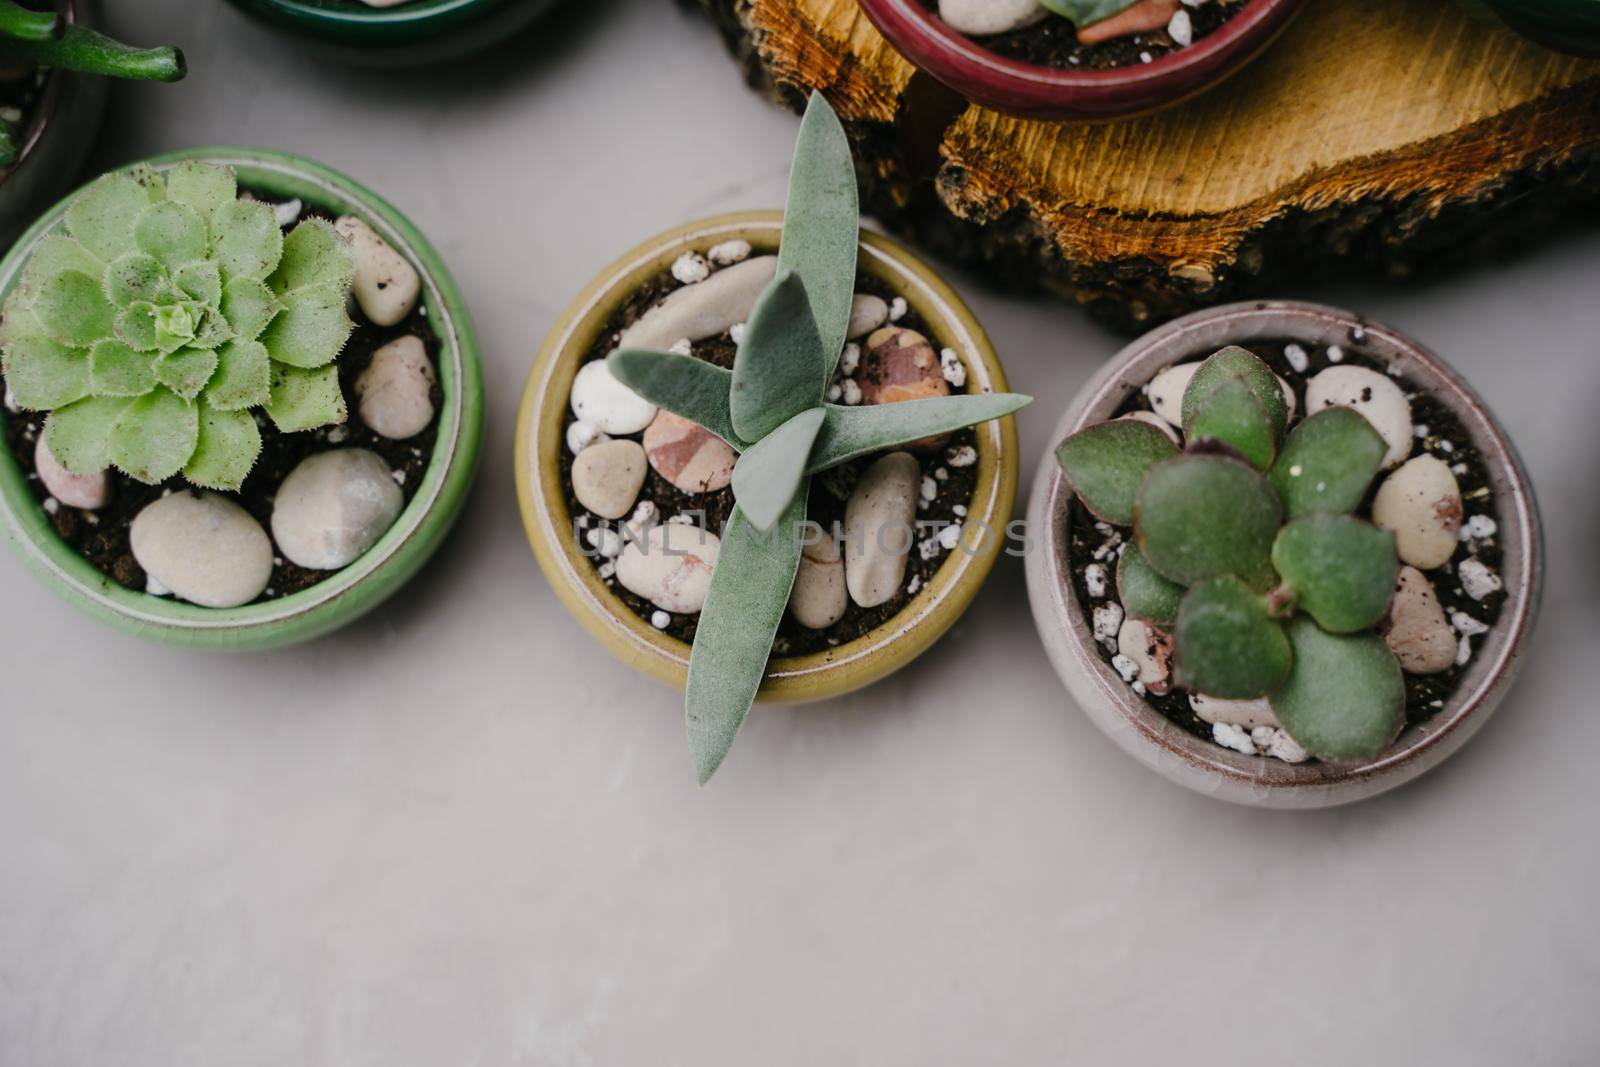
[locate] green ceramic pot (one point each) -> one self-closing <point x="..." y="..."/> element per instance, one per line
<point x="1571" y="26"/>
<point x="345" y="594"/>
<point x="413" y="32"/>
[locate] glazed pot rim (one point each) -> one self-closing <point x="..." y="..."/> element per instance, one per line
<point x="1031" y="90"/>
<point x="1200" y="763"/>
<point x="541" y="493"/>
<point x="331" y="600"/>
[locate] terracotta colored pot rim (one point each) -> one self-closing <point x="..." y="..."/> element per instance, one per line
<point x="1198" y="763"/>
<point x="1033" y="91"/>
<point x="541" y="492"/>
<point x="346" y="593"/>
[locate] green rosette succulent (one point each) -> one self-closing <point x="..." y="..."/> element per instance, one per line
<point x="1246" y="553"/>
<point x="162" y="312"/>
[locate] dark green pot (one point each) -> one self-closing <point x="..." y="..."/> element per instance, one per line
<point x="421" y="31"/>
<point x="1571" y="26"/>
<point x="345" y="594"/>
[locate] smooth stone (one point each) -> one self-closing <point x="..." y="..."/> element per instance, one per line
<point x="819" y="597"/>
<point x="386" y="285"/>
<point x="670" y="566"/>
<point x="1374" y="396"/>
<point x="599" y="399"/>
<point x="580" y="435"/>
<point x="396" y="390"/>
<point x="705" y="309"/>
<point x="1150" y="650"/>
<point x="687" y="454"/>
<point x="898" y="364"/>
<point x="333" y="507"/>
<point x="1166" y="390"/>
<point x="878" y="521"/>
<point x="1477" y="579"/>
<point x="867" y="313"/>
<point x="1420" y="503"/>
<point x="87" y="491"/>
<point x="1416" y="631"/>
<point x="607" y="477"/>
<point x="985" y="18"/>
<point x="204" y="548"/>
<point x="1251" y="713"/>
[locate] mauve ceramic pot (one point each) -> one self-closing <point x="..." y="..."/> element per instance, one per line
<point x="1030" y="91"/>
<point x="1198" y="763"/>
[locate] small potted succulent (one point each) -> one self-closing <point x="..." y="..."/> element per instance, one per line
<point x="1079" y="59"/>
<point x="211" y="346"/>
<point x="399" y="32"/>
<point x="51" y="98"/>
<point x="1299" y="563"/>
<point x="782" y="472"/>
<point x="1571" y="26"/>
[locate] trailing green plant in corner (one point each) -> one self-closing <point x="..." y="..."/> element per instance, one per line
<point x="163" y="313"/>
<point x="1245" y="551"/>
<point x="770" y="407"/>
<point x="46" y="39"/>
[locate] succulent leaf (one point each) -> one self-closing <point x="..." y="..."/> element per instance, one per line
<point x="170" y="232"/>
<point x="1107" y="462"/>
<point x="313" y="255"/>
<point x="243" y="378"/>
<point x="1201" y="516"/>
<point x="1342" y="570"/>
<point x="201" y="186"/>
<point x="135" y="277"/>
<point x="1087" y="12"/>
<point x="311" y="329"/>
<point x="44" y="375"/>
<point x="186" y="371"/>
<point x="101" y="217"/>
<point x="766" y="478"/>
<point x="136" y="326"/>
<point x="228" y="445"/>
<point x="245" y="239"/>
<point x="683" y="385"/>
<point x="175" y="324"/>
<point x="1227" y="644"/>
<point x="1224" y="365"/>
<point x="780" y="369"/>
<point x="200" y="280"/>
<point x="1232" y="415"/>
<point x="73" y="309"/>
<point x="1344" y="698"/>
<point x="1145" y="593"/>
<point x="1327" y="463"/>
<point x="79" y="434"/>
<point x="850" y="432"/>
<point x="154" y="436"/>
<point x="249" y="306"/>
<point x="822" y="225"/>
<point x="305" y="399"/>
<point x="117" y="370"/>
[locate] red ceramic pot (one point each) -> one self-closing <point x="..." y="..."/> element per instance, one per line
<point x="1031" y="91"/>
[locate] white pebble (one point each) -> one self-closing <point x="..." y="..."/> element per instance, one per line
<point x="850" y="359"/>
<point x="962" y="456"/>
<point x="1181" y="29"/>
<point x="691" y="267"/>
<point x="287" y="212"/>
<point x="203" y="547"/>
<point x="395" y="392"/>
<point x="386" y="286"/>
<point x="1336" y="354"/>
<point x="898" y="309"/>
<point x="1230" y="736"/>
<point x="1466" y="625"/>
<point x="1477" y="579"/>
<point x="929" y="489"/>
<point x="660" y="620"/>
<point x="682" y="347"/>
<point x="1287" y="748"/>
<point x="1464" y="651"/>
<point x="850" y="392"/>
<point x="950" y="365"/>
<point x="598" y="397"/>
<point x="1107" y="622"/>
<point x="1297" y="357"/>
<point x="333" y="507"/>
<point x="1479" y="528"/>
<point x="1125" y="667"/>
<point x="580" y="435"/>
<point x="1371" y="395"/>
<point x="1094" y="578"/>
<point x="736" y="332"/>
<point x="605" y="541"/>
<point x="729" y="252"/>
<point x="950" y="537"/>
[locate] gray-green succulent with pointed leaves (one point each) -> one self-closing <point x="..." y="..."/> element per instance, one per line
<point x="771" y="409"/>
<point x="1245" y="551"/>
<point x="162" y="312"/>
<point x="1087" y="12"/>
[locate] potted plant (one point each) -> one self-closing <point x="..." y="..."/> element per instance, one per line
<point x="1571" y="26"/>
<point x="787" y="472"/>
<point x="1285" y="556"/>
<point x="203" y="445"/>
<point x="399" y="32"/>
<point x="51" y="98"/>
<point x="1079" y="59"/>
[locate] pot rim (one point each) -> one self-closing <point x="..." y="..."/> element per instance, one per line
<point x="1198" y="763"/>
<point x="407" y="16"/>
<point x="1029" y="90"/>
<point x="541" y="494"/>
<point x="345" y="593"/>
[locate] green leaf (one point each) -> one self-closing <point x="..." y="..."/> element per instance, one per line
<point x="1107" y="462"/>
<point x="79" y="435"/>
<point x="749" y="592"/>
<point x="171" y="232"/>
<point x="186" y="371"/>
<point x="150" y="180"/>
<point x="101" y="217"/>
<point x="21" y="24"/>
<point x="1327" y="463"/>
<point x="1342" y="570"/>
<point x="780" y="369"/>
<point x="55" y="254"/>
<point x="243" y="379"/>
<point x="850" y="432"/>
<point x="311" y="329"/>
<point x="1087" y="12"/>
<point x="202" y="186"/>
<point x="214" y="331"/>
<point x="200" y="280"/>
<point x="73" y="309"/>
<point x="44" y="375"/>
<point x="305" y="399"/>
<point x="767" y="477"/>
<point x="313" y="255"/>
<point x="154" y="436"/>
<point x="1144" y="592"/>
<point x="822" y="225"/>
<point x="1226" y="644"/>
<point x="1201" y="516"/>
<point x="135" y="277"/>
<point x="82" y="49"/>
<point x="245" y="239"/>
<point x="1232" y="415"/>
<point x="249" y="306"/>
<point x="136" y="326"/>
<point x="681" y="384"/>
<point x="1235" y="361"/>
<point x="117" y="370"/>
<point x="228" y="446"/>
<point x="175" y="325"/>
<point x="1345" y="698"/>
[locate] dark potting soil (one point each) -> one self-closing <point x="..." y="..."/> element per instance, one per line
<point x="825" y="506"/>
<point x="101" y="536"/>
<point x="1447" y="439"/>
<point x="21" y="90"/>
<point x="1054" y="41"/>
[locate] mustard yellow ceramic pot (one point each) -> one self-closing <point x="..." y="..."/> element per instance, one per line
<point x="549" y="523"/>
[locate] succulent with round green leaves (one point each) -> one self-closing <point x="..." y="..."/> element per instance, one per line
<point x="1245" y="550"/>
<point x="770" y="407"/>
<point x="162" y="312"/>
